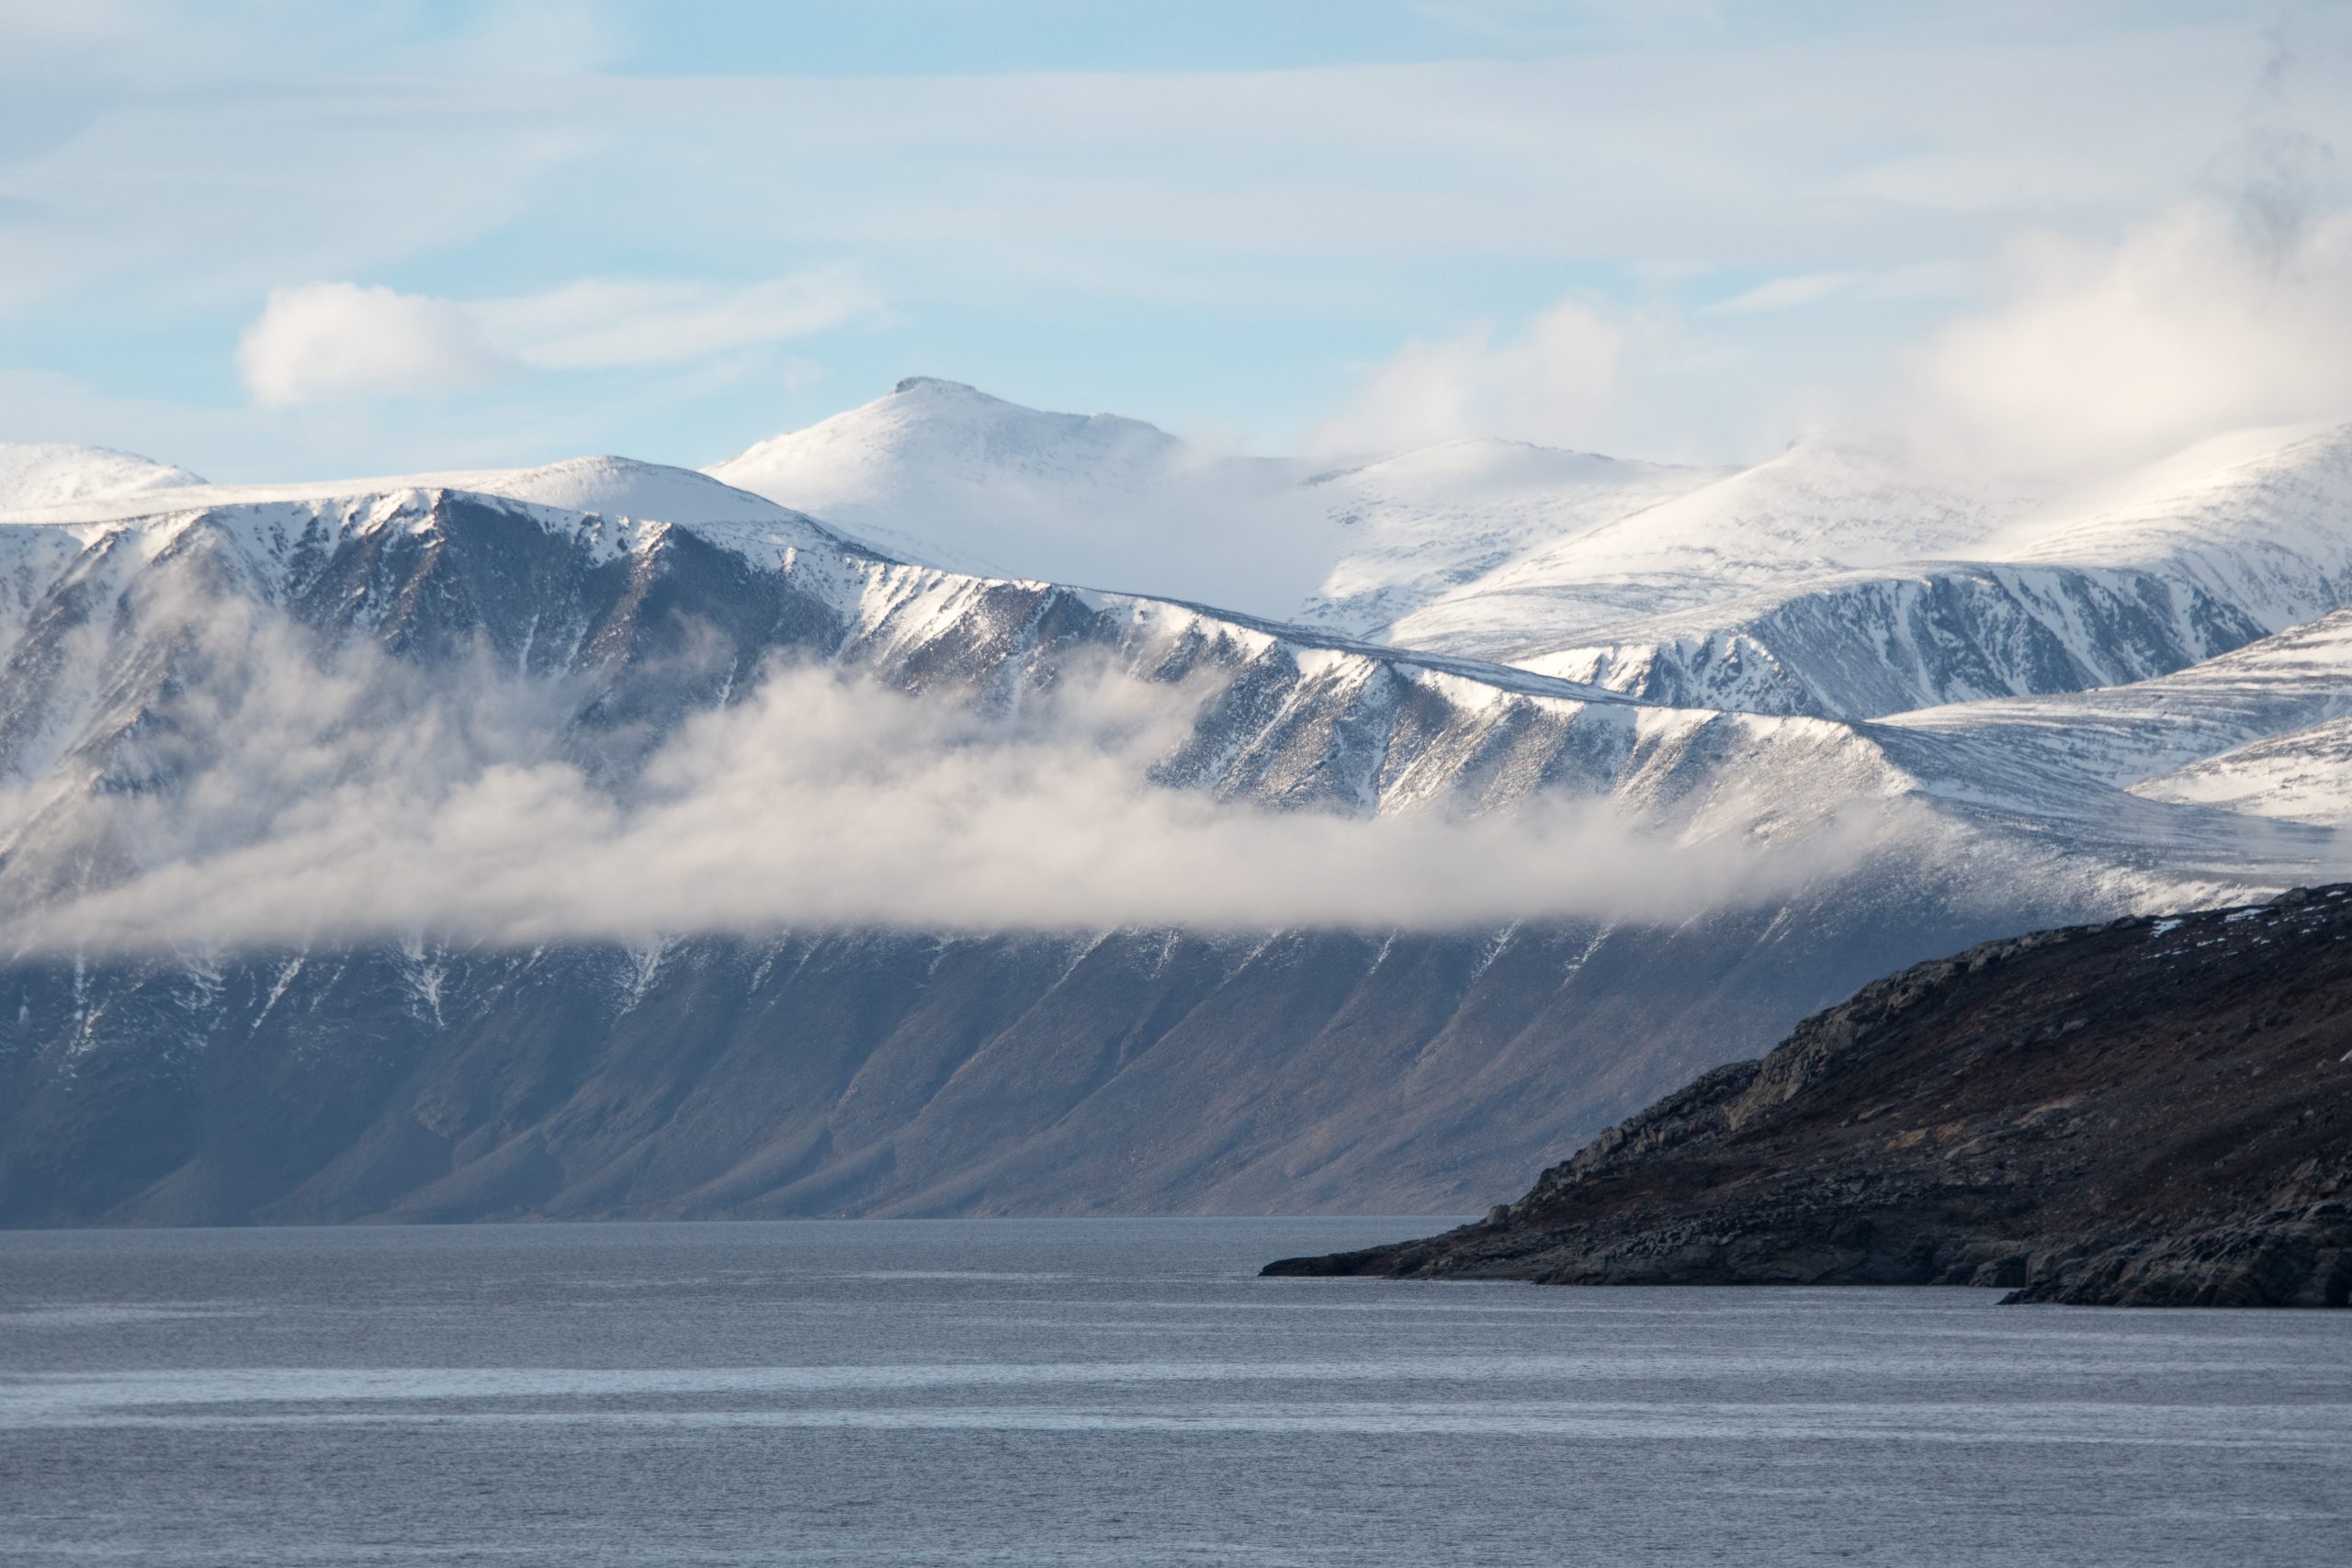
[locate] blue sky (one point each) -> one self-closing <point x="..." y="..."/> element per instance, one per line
<point x="265" y="241"/>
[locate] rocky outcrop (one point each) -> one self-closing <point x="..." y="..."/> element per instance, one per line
<point x="2149" y="1112"/>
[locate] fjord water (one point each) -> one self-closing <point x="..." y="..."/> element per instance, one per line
<point x="1106" y="1391"/>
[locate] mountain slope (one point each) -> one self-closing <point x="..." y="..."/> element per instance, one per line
<point x="2203" y="552"/>
<point x="1409" y="529"/>
<point x="2148" y="1113"/>
<point x="1816" y="510"/>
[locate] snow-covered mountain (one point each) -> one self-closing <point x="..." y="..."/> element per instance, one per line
<point x="200" y="668"/>
<point x="1411" y="529"/>
<point x="51" y="474"/>
<point x="944" y="474"/>
<point x="2185" y="562"/>
<point x="1833" y="580"/>
<point x="1816" y="510"/>
<point x="941" y="473"/>
<point x="473" y="845"/>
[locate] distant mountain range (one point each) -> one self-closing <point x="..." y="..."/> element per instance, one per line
<point x="2010" y="710"/>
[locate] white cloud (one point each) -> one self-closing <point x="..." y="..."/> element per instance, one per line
<point x="1548" y="383"/>
<point x="324" y="798"/>
<point x="600" y="324"/>
<point x="1787" y="293"/>
<point x="322" y="342"/>
<point x="325" y="341"/>
<point x="2102" y="354"/>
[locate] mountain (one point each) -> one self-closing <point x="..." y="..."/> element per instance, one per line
<point x="1816" y="510"/>
<point x="941" y="473"/>
<point x="1757" y="593"/>
<point x="242" y="733"/>
<point x="2140" y="1113"/>
<point x="605" y="839"/>
<point x="1833" y="580"/>
<point x="1407" y="530"/>
<point x="944" y="474"/>
<point x="53" y="474"/>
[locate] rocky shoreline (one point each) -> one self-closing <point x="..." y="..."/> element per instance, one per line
<point x="2148" y="1112"/>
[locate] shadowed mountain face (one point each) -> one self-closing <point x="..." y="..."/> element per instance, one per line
<point x="2152" y="1112"/>
<point x="878" y="1073"/>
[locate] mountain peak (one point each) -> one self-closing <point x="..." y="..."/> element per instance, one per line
<point x="937" y="386"/>
<point x="49" y="474"/>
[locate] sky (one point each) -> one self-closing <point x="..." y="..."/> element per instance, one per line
<point x="288" y="240"/>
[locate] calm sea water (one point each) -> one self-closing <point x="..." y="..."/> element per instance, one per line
<point x="1107" y="1391"/>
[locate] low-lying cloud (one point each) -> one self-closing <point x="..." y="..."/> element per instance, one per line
<point x="369" y="802"/>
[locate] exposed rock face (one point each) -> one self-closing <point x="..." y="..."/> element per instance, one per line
<point x="2150" y="1112"/>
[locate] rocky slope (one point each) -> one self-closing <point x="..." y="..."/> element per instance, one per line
<point x="2148" y="1112"/>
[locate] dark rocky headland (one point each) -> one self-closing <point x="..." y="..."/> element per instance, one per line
<point x="2149" y="1112"/>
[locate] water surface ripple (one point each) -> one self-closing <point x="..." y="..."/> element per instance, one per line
<point x="1106" y="1391"/>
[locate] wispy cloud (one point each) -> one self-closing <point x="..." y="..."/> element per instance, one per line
<point x="597" y="325"/>
<point x="325" y="341"/>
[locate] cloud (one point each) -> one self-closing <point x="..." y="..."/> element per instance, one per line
<point x="1787" y="293"/>
<point x="325" y="341"/>
<point x="2103" y="355"/>
<point x="1548" y="383"/>
<point x="1918" y="280"/>
<point x="295" y="796"/>
<point x="322" y="342"/>
<point x="597" y="325"/>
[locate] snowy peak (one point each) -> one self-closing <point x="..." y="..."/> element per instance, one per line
<point x="56" y="474"/>
<point x="927" y="433"/>
<point x="938" y="472"/>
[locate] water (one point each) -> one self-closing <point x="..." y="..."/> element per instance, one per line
<point x="1107" y="1391"/>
